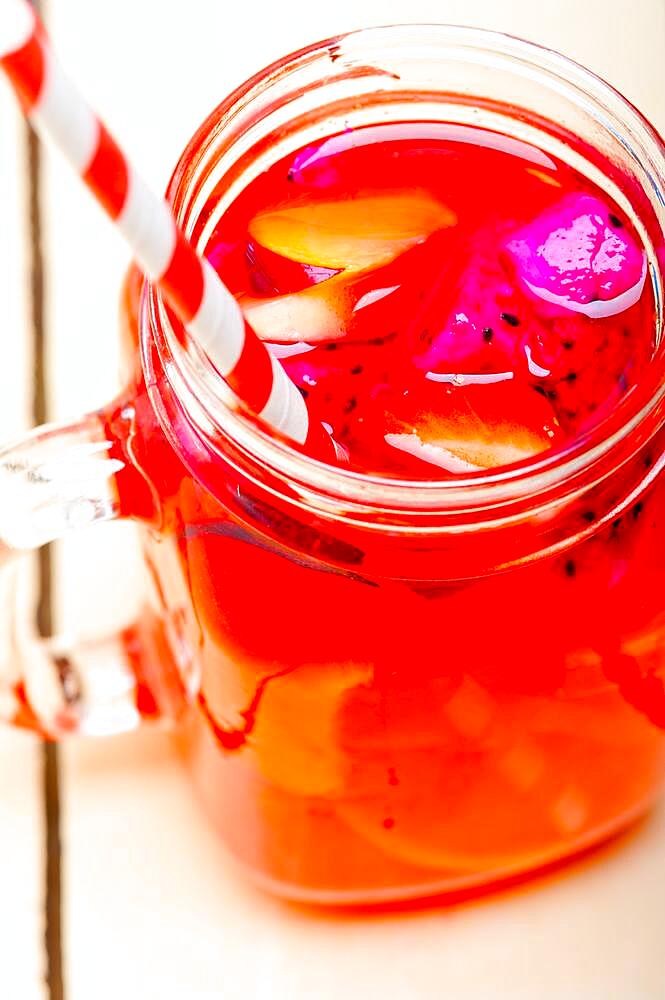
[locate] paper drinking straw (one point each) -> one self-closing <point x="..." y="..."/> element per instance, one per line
<point x="190" y="285"/>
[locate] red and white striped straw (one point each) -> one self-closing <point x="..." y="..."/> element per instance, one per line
<point x="189" y="284"/>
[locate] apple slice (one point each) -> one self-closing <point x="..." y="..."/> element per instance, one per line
<point x="365" y="232"/>
<point x="315" y="314"/>
<point x="470" y="426"/>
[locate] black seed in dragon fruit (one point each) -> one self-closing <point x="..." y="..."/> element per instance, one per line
<point x="472" y="325"/>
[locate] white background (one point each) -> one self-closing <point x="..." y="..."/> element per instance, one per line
<point x="152" y="907"/>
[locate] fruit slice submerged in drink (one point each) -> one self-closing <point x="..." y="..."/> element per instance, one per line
<point x="352" y="235"/>
<point x="492" y="768"/>
<point x="294" y="737"/>
<point x="339" y="384"/>
<point x="465" y="426"/>
<point x="491" y="810"/>
<point x="491" y="777"/>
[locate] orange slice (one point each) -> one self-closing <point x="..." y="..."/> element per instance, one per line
<point x="513" y="783"/>
<point x="296" y="724"/>
<point x="351" y="235"/>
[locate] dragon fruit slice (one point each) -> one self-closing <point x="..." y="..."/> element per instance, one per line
<point x="472" y="321"/>
<point x="585" y="366"/>
<point x="337" y="384"/>
<point x="578" y="256"/>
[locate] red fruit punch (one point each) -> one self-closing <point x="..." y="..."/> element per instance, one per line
<point x="434" y="287"/>
<point x="381" y="714"/>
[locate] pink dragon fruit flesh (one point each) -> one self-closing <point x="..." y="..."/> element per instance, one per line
<point x="579" y="256"/>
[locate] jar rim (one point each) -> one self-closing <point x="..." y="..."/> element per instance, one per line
<point x="552" y="469"/>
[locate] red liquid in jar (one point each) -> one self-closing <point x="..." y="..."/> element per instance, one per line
<point x="377" y="721"/>
<point x="447" y="299"/>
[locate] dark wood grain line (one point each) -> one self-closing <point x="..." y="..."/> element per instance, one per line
<point x="41" y="414"/>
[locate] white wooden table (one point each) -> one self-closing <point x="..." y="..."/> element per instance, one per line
<point x="151" y="907"/>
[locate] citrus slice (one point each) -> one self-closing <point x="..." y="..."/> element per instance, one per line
<point x="294" y="736"/>
<point x="512" y="783"/>
<point x="352" y="235"/>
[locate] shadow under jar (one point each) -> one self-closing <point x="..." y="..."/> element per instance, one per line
<point x="405" y="688"/>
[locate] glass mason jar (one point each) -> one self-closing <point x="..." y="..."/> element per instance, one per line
<point x="385" y="689"/>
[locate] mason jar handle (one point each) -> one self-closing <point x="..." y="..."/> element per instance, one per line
<point x="56" y="480"/>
